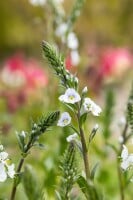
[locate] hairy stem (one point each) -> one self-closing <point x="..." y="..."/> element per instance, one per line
<point x="84" y="149"/>
<point x="13" y="193"/>
<point x="121" y="186"/>
<point x="14" y="188"/>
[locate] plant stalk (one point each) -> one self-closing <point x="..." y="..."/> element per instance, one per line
<point x="84" y="148"/>
<point x="121" y="186"/>
<point x="13" y="193"/>
<point x="14" y="188"/>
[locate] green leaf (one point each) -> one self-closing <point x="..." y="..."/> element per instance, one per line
<point x="30" y="183"/>
<point x="21" y="141"/>
<point x="58" y="195"/>
<point x="93" y="133"/>
<point x="39" y="145"/>
<point x="108" y="113"/>
<point x="113" y="147"/>
<point x="130" y="110"/>
<point x="93" y="171"/>
<point x="83" y="119"/>
<point x="88" y="189"/>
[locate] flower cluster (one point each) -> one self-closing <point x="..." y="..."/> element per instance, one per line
<point x="6" y="168"/>
<point x="71" y="97"/>
<point x="90" y="106"/>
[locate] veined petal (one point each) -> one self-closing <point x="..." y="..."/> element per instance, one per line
<point x="3" y="175"/>
<point x="90" y="106"/>
<point x="124" y="154"/>
<point x="72" y="137"/>
<point x="11" y="171"/>
<point x="70" y="96"/>
<point x="64" y="120"/>
<point x="3" y="156"/>
<point x="125" y="165"/>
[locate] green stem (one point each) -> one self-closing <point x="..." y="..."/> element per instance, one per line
<point x="84" y="148"/>
<point x="13" y="193"/>
<point x="121" y="185"/>
<point x="14" y="188"/>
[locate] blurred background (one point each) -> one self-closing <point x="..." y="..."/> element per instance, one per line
<point x="28" y="88"/>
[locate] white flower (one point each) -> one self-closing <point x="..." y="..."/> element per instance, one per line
<point x="72" y="137"/>
<point x="3" y="156"/>
<point x="127" y="159"/>
<point x="38" y="2"/>
<point x="64" y="120"/>
<point x="72" y="41"/>
<point x="120" y="139"/>
<point x="122" y="121"/>
<point x="6" y="169"/>
<point x="90" y="106"/>
<point x="85" y="90"/>
<point x="70" y="96"/>
<point x="96" y="127"/>
<point x="3" y="174"/>
<point x="75" y="57"/>
<point x="23" y="134"/>
<point x="11" y="171"/>
<point x="61" y="30"/>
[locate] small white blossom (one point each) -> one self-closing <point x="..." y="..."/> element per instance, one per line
<point x="122" y="121"/>
<point x="90" y="106"/>
<point x="72" y="41"/>
<point x="61" y="30"/>
<point x="38" y="2"/>
<point x="127" y="159"/>
<point x="3" y="156"/>
<point x="96" y="127"/>
<point x="70" y="96"/>
<point x="72" y="137"/>
<point x="11" y="170"/>
<point x="76" y="80"/>
<point x="120" y="139"/>
<point x="75" y="57"/>
<point x="3" y="174"/>
<point x="6" y="169"/>
<point x="85" y="90"/>
<point x="23" y="134"/>
<point x="64" y="120"/>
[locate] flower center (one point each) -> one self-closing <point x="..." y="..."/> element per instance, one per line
<point x="65" y="121"/>
<point x="71" y="97"/>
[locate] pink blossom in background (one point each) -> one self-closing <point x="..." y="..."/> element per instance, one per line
<point x="107" y="65"/>
<point x="72" y="60"/>
<point x="24" y="77"/>
<point x="35" y="75"/>
<point x="21" y="72"/>
<point x="14" y="71"/>
<point x="68" y="62"/>
<point x="115" y="62"/>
